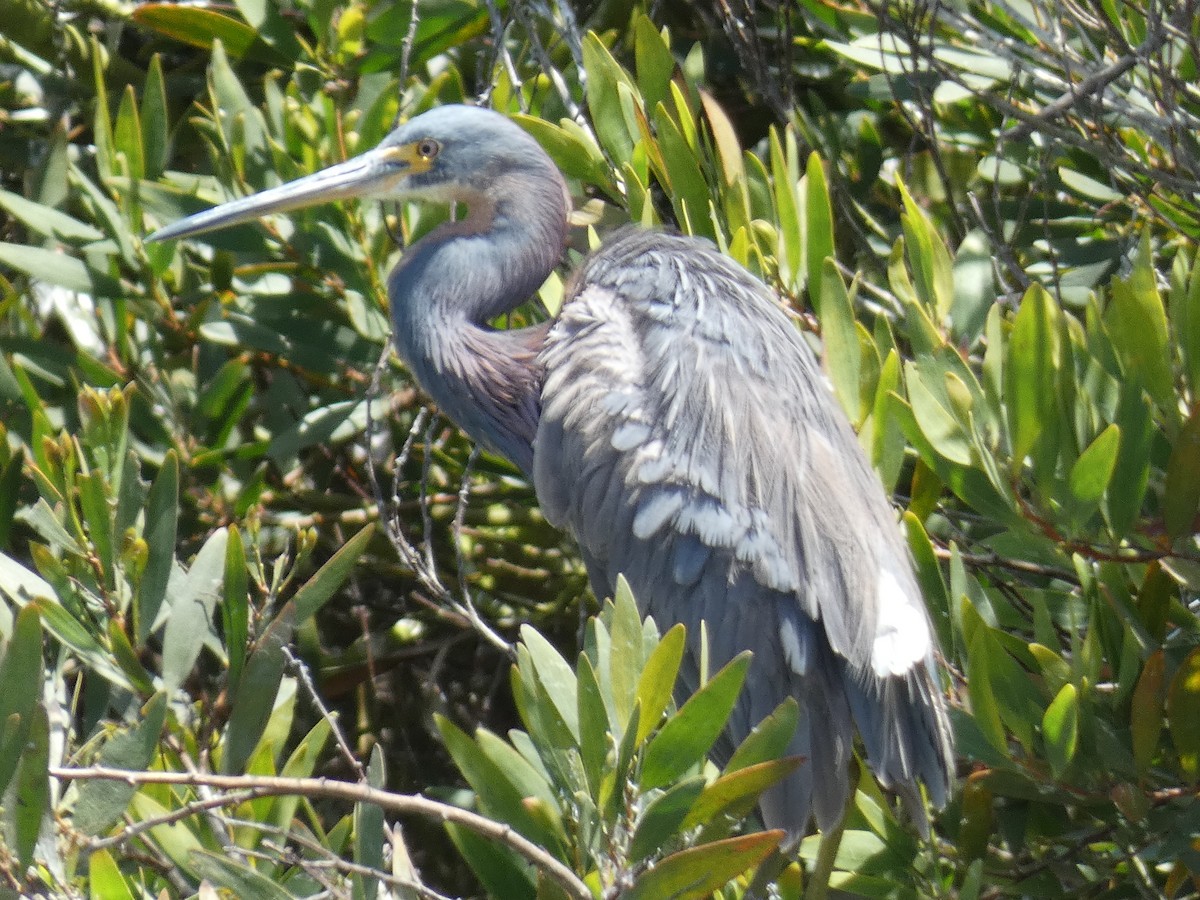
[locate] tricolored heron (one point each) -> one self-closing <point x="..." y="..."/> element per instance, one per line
<point x="676" y="423"/>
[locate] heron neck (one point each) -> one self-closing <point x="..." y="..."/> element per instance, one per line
<point x="452" y="283"/>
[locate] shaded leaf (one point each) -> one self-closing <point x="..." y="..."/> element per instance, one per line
<point x="254" y="700"/>
<point x="1183" y="714"/>
<point x="101" y="803"/>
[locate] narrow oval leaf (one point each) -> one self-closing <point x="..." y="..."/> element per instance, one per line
<point x="102" y="803"/>
<point x="192" y="610"/>
<point x="1092" y="472"/>
<point x="254" y="699"/>
<point x="1146" y="710"/>
<point x="555" y="676"/>
<point x="162" y="517"/>
<point x="1181" y="487"/>
<point x="21" y="675"/>
<point x="498" y="796"/>
<point x="736" y="793"/>
<point x="1060" y="728"/>
<point x="1183" y="714"/>
<point x="695" y="873"/>
<point x="32" y="800"/>
<point x="660" y="822"/>
<point x="690" y="733"/>
<point x="843" y="352"/>
<point x="818" y="230"/>
<point x="331" y="576"/>
<point x="657" y="683"/>
<point x="1031" y="371"/>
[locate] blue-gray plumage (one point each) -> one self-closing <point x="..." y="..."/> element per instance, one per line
<point x="676" y="423"/>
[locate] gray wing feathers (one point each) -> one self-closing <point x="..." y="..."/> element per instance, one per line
<point x="688" y="440"/>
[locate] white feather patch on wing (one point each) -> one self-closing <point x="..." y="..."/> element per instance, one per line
<point x="793" y="653"/>
<point x="901" y="629"/>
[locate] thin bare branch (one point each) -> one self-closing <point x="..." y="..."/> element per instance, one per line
<point x="253" y="786"/>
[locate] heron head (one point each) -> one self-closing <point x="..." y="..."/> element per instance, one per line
<point x="447" y="154"/>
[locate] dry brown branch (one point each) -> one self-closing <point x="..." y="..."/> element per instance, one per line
<point x="253" y="786"/>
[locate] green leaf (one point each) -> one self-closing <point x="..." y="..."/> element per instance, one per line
<point x="767" y="740"/>
<point x="933" y="271"/>
<point x="572" y="150"/>
<point x="105" y="879"/>
<point x="657" y="682"/>
<point x="1181" y="487"/>
<point x="53" y="267"/>
<point x="155" y="120"/>
<point x="974" y="288"/>
<point x="162" y="517"/>
<point x="1127" y="488"/>
<point x="127" y="659"/>
<point x="1145" y="350"/>
<point x="254" y="700"/>
<point x="101" y="803"/>
<point x="1183" y="714"/>
<point x="654" y="61"/>
<point x="1146" y="711"/>
<point x="695" y="873"/>
<point x="626" y="659"/>
<point x="684" y="180"/>
<point x="498" y="796"/>
<point x="504" y="875"/>
<point x="818" y="231"/>
<point x="227" y="874"/>
<point x="1031" y="371"/>
<point x="839" y="331"/>
<point x="196" y="26"/>
<point x="604" y="104"/>
<point x="97" y="517"/>
<point x="593" y="724"/>
<point x="48" y="221"/>
<point x="1092" y="471"/>
<point x="369" y="831"/>
<point x="792" y="260"/>
<point x="127" y="135"/>
<point x="555" y="676"/>
<point x="979" y="685"/>
<point x="736" y="792"/>
<point x="689" y="734"/>
<point x="67" y="629"/>
<point x="887" y="437"/>
<point x="1185" y="319"/>
<point x="235" y="607"/>
<point x="935" y="414"/>
<point x="32" y="795"/>
<point x="21" y="675"/>
<point x="1060" y="728"/>
<point x="190" y="622"/>
<point x="661" y="820"/>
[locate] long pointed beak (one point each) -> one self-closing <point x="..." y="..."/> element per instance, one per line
<point x="374" y="173"/>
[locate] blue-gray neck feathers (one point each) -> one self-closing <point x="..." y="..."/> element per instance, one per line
<point x="451" y="284"/>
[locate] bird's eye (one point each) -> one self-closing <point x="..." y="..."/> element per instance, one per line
<point x="428" y="148"/>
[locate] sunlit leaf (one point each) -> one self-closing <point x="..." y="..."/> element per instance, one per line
<point x="1060" y="726"/>
<point x="695" y="873"/>
<point x="687" y="736"/>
